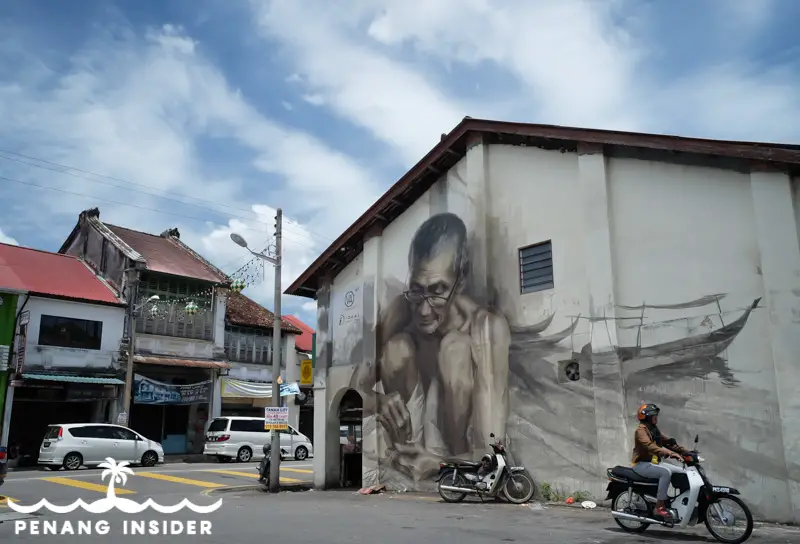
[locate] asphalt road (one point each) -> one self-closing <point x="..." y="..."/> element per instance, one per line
<point x="246" y="516"/>
<point x="170" y="480"/>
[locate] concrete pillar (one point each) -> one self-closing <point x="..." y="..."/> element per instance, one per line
<point x="215" y="406"/>
<point x="613" y="442"/>
<point x="777" y="236"/>
<point x="326" y="451"/>
<point x="220" y="304"/>
<point x="373" y="289"/>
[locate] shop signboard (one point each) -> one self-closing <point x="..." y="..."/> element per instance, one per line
<point x="276" y="419"/>
<point x="149" y="391"/>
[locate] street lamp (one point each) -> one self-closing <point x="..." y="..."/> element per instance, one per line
<point x="275" y="454"/>
<point x="240" y="241"/>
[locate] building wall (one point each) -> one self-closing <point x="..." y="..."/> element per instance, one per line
<point x="59" y="358"/>
<point x="673" y="283"/>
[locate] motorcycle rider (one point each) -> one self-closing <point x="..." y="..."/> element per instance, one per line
<point x="650" y="447"/>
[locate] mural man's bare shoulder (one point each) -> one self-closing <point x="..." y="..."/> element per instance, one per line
<point x="495" y="325"/>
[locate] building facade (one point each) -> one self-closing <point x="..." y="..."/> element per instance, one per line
<point x="66" y="326"/>
<point x="540" y="283"/>
<point x="176" y="300"/>
<point x="247" y="389"/>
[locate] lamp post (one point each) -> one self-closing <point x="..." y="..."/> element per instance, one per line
<point x="132" y="310"/>
<point x="275" y="453"/>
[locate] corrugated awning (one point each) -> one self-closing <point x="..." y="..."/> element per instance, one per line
<point x="172" y="361"/>
<point x="73" y="379"/>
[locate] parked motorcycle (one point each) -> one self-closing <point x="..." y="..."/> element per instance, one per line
<point x="697" y="500"/>
<point x="264" y="466"/>
<point x="490" y="477"/>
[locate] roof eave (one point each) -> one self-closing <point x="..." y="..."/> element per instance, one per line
<point x="306" y="285"/>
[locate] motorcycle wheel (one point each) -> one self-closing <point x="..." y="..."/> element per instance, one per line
<point x="748" y="520"/>
<point x="455" y="480"/>
<point x="620" y="504"/>
<point x="518" y="488"/>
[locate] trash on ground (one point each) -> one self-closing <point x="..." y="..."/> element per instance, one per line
<point x="372" y="490"/>
<point x="588" y="504"/>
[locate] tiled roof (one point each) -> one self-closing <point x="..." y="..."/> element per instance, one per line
<point x="168" y="255"/>
<point x="305" y="341"/>
<point x="44" y="273"/>
<point x="245" y="312"/>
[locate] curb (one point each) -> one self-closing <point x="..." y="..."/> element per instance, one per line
<point x="285" y="488"/>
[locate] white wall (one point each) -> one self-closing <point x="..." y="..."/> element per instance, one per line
<point x="624" y="232"/>
<point x="50" y="357"/>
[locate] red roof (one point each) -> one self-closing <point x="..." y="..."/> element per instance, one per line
<point x="302" y="342"/>
<point x="246" y="312"/>
<point x="168" y="255"/>
<point x="51" y="274"/>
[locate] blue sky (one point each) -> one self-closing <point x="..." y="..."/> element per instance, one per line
<point x="207" y="115"/>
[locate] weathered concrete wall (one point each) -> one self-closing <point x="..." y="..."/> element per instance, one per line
<point x="672" y="284"/>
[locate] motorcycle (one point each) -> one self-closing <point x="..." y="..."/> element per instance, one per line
<point x="697" y="500"/>
<point x="264" y="466"/>
<point x="490" y="477"/>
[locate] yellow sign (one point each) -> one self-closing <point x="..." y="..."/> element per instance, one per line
<point x="306" y="372"/>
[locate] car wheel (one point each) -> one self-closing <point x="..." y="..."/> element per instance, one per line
<point x="73" y="461"/>
<point x="244" y="454"/>
<point x="149" y="459"/>
<point x="301" y="453"/>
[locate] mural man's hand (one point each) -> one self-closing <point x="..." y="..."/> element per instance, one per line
<point x="416" y="461"/>
<point x="394" y="418"/>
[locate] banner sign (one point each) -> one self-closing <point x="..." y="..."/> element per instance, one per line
<point x="148" y="391"/>
<point x="22" y="340"/>
<point x="233" y="388"/>
<point x="307" y="372"/>
<point x="276" y="419"/>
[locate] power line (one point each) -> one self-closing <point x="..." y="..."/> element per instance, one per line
<point x="134" y="206"/>
<point x="62" y="171"/>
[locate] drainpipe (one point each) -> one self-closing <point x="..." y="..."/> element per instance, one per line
<point x="9" y="398"/>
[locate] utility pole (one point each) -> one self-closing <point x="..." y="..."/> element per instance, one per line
<point x="275" y="453"/>
<point x="126" y="407"/>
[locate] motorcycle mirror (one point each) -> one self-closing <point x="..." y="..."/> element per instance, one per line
<point x="696" y="438"/>
<point x="491" y="435"/>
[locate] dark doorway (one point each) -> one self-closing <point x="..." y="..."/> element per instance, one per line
<point x="350" y="439"/>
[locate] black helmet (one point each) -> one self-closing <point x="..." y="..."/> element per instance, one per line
<point x="267" y="448"/>
<point x="646" y="411"/>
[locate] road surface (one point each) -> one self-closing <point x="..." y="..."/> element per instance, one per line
<point x="246" y="516"/>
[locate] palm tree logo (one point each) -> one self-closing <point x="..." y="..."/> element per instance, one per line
<point x="117" y="473"/>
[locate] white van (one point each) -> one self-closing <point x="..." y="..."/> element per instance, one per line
<point x="243" y="438"/>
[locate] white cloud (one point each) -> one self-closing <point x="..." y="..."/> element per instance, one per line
<point x="572" y="62"/>
<point x="6" y="239"/>
<point x="136" y="109"/>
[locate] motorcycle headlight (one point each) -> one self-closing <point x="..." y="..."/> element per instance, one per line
<point x="701" y="459"/>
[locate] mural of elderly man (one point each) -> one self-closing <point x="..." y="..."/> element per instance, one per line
<point x="442" y="372"/>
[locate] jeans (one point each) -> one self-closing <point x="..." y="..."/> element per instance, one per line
<point x="662" y="472"/>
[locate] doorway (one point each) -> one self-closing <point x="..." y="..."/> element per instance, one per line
<point x="350" y="439"/>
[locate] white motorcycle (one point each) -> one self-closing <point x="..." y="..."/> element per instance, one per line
<point x="697" y="500"/>
<point x="490" y="477"/>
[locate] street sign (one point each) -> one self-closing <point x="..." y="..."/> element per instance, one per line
<point x="307" y="372"/>
<point x="122" y="418"/>
<point x="25" y="318"/>
<point x="276" y="419"/>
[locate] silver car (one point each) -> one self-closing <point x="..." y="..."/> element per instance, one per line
<point x="88" y="444"/>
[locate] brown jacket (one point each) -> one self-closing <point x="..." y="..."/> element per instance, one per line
<point x="645" y="448"/>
